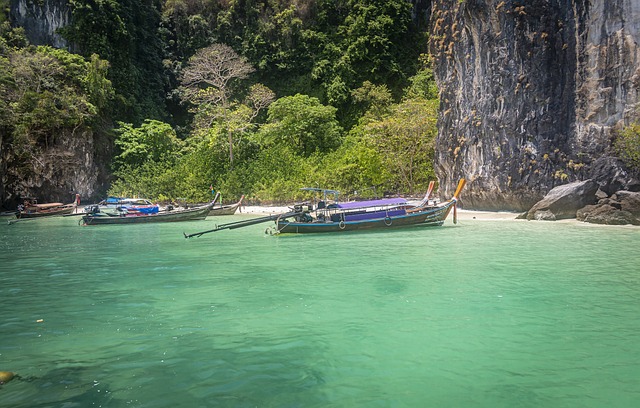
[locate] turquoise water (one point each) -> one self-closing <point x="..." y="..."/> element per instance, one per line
<point x="478" y="314"/>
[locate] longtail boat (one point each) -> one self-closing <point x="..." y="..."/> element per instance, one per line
<point x="355" y="216"/>
<point x="229" y="209"/>
<point x="167" y="215"/>
<point x="31" y="209"/>
<point x="366" y="215"/>
<point x="116" y="205"/>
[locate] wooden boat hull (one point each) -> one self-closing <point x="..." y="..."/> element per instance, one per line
<point x="67" y="209"/>
<point x="192" y="214"/>
<point x="434" y="216"/>
<point x="226" y="209"/>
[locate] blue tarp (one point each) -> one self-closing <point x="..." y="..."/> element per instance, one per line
<point x="144" y="210"/>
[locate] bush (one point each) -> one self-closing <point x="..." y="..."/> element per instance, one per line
<point x="628" y="145"/>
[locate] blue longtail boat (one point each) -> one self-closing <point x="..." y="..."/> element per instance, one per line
<point x="364" y="215"/>
<point x="354" y="216"/>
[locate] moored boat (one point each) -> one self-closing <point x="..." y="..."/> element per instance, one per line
<point x="354" y="216"/>
<point x="117" y="205"/>
<point x="229" y="209"/>
<point x="167" y="215"/>
<point x="31" y="209"/>
<point x="366" y="215"/>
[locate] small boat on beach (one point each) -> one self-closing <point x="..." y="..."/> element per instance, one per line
<point x="229" y="209"/>
<point x="115" y="205"/>
<point x="355" y="216"/>
<point x="136" y="217"/>
<point x="31" y="209"/>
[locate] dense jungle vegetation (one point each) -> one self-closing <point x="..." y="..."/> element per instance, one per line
<point x="255" y="97"/>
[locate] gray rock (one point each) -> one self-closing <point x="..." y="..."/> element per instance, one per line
<point x="601" y="195"/>
<point x="607" y="215"/>
<point x="543" y="215"/>
<point x="583" y="213"/>
<point x="629" y="201"/>
<point x="564" y="201"/>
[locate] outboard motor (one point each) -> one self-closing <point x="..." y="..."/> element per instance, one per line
<point x="92" y="209"/>
<point x="304" y="207"/>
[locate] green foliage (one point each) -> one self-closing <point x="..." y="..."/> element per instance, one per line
<point x="356" y="167"/>
<point x="367" y="42"/>
<point x="628" y="145"/>
<point x="152" y="180"/>
<point x="422" y="85"/>
<point x="12" y="37"/>
<point x="48" y="90"/>
<point x="405" y="139"/>
<point x="187" y="26"/>
<point x="324" y="49"/>
<point x="375" y="99"/>
<point x="210" y="81"/>
<point x="125" y="33"/>
<point x="302" y="144"/>
<point x="148" y="161"/>
<point x="204" y="165"/>
<point x="302" y="124"/>
<point x="277" y="173"/>
<point x="152" y="142"/>
<point x="334" y="64"/>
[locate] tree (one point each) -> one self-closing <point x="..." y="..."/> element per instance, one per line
<point x="362" y="40"/>
<point x="125" y="33"/>
<point x="376" y="98"/>
<point x="302" y="123"/>
<point x="147" y="160"/>
<point x="153" y="141"/>
<point x="406" y="140"/>
<point x="50" y="90"/>
<point x="209" y="82"/>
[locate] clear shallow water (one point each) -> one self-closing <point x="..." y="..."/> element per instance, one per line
<point x="482" y="314"/>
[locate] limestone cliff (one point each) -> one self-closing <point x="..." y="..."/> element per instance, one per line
<point x="76" y="159"/>
<point x="75" y="164"/>
<point x="41" y="19"/>
<point x="530" y="94"/>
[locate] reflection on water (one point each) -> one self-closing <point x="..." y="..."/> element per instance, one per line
<point x="483" y="314"/>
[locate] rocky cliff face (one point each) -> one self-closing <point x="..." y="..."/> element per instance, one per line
<point x="40" y="20"/>
<point x="74" y="165"/>
<point x="77" y="161"/>
<point x="531" y="92"/>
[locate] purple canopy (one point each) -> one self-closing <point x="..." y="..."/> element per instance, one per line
<point x="372" y="203"/>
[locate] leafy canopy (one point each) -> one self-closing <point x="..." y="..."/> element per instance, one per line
<point x="303" y="124"/>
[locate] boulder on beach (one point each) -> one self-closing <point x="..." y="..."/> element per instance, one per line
<point x="621" y="208"/>
<point x="564" y="201"/>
